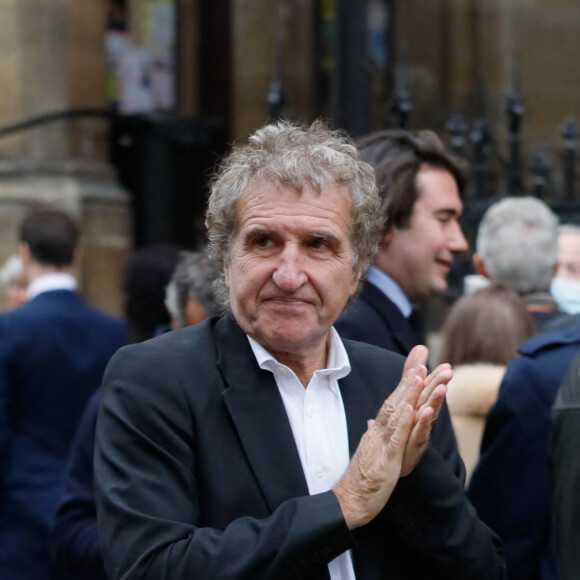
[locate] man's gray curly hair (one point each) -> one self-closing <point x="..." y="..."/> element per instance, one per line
<point x="292" y="155"/>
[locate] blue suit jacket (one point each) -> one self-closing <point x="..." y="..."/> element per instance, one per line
<point x="53" y="351"/>
<point x="197" y="474"/>
<point x="510" y="484"/>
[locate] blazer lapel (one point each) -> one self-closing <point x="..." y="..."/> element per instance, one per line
<point x="402" y="331"/>
<point x="259" y="416"/>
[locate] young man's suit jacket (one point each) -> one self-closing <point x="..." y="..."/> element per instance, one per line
<point x="375" y="319"/>
<point x="197" y="474"/>
<point x="53" y="353"/>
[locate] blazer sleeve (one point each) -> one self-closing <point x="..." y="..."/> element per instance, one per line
<point x="443" y="439"/>
<point x="565" y="472"/>
<point x="430" y="511"/>
<point x="149" y="502"/>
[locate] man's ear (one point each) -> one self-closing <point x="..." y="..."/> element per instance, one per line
<point x="77" y="257"/>
<point x="25" y="254"/>
<point x="387" y="238"/>
<point x="227" y="273"/>
<point x="479" y="265"/>
<point x="357" y="272"/>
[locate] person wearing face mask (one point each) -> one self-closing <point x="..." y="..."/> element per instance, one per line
<point x="565" y="287"/>
<point x="510" y="486"/>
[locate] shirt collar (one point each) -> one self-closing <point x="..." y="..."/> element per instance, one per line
<point x="48" y="282"/>
<point x="337" y="366"/>
<point x="390" y="289"/>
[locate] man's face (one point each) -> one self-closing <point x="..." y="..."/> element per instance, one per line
<point x="569" y="256"/>
<point x="419" y="257"/>
<point x="290" y="272"/>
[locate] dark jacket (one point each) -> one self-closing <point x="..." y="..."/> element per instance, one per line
<point x="375" y="319"/>
<point x="565" y="473"/>
<point x="74" y="538"/>
<point x="510" y="484"/>
<point x="53" y="351"/>
<point x="197" y="474"/>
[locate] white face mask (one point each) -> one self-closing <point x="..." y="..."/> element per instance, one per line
<point x="566" y="293"/>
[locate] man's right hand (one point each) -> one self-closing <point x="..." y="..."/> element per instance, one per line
<point x="394" y="442"/>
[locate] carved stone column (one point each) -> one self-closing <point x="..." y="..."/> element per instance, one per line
<point x="52" y="60"/>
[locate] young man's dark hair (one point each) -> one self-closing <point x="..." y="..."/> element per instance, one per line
<point x="51" y="235"/>
<point x="421" y="186"/>
<point x="396" y="156"/>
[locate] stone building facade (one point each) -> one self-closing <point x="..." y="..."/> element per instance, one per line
<point x="456" y="55"/>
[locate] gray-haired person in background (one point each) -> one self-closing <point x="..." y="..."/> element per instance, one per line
<point x="190" y="295"/>
<point x="565" y="286"/>
<point x="517" y="247"/>
<point x="13" y="279"/>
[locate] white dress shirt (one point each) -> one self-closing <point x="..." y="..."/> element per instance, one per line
<point x="318" y="423"/>
<point x="54" y="281"/>
<point x="390" y="289"/>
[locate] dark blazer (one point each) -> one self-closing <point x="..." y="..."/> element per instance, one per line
<point x="510" y="484"/>
<point x="74" y="540"/>
<point x="375" y="319"/>
<point x="53" y="351"/>
<point x="565" y="472"/>
<point x="197" y="474"/>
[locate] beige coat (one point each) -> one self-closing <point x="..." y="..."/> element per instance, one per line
<point x="470" y="394"/>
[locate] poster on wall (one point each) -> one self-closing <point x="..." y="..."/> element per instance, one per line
<point x="140" y="58"/>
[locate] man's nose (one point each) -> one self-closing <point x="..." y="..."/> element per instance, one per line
<point x="289" y="274"/>
<point x="457" y="241"/>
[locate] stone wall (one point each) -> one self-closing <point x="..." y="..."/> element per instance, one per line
<point x="254" y="25"/>
<point x="452" y="45"/>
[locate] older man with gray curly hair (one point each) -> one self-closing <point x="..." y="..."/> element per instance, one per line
<point x="259" y="444"/>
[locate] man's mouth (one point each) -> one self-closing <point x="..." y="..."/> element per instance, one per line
<point x="444" y="264"/>
<point x="286" y="303"/>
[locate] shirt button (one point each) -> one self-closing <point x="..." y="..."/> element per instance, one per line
<point x="281" y="370"/>
<point x="310" y="411"/>
<point x="320" y="471"/>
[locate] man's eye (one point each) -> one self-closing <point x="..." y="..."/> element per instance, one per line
<point x="262" y="242"/>
<point x="317" y="243"/>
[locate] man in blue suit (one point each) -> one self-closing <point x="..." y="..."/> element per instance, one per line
<point x="421" y="187"/>
<point x="53" y="351"/>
